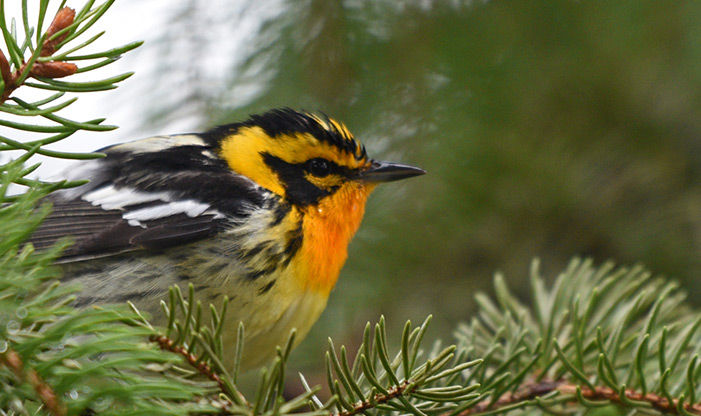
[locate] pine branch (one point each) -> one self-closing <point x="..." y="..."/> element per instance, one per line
<point x="502" y="366"/>
<point x="51" y="69"/>
<point x="604" y="395"/>
<point x="41" y="56"/>
<point x="608" y="330"/>
<point x="54" y="358"/>
<point x="625" y="396"/>
<point x="612" y="333"/>
<point x="202" y="367"/>
<point x="377" y="399"/>
<point x="48" y="397"/>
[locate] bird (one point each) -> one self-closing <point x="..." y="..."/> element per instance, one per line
<point x="260" y="211"/>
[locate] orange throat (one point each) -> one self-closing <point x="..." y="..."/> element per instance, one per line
<point x="328" y="228"/>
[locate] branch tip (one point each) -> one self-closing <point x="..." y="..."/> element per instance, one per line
<point x="53" y="69"/>
<point x="63" y="19"/>
<point x="12" y="360"/>
<point x="5" y="70"/>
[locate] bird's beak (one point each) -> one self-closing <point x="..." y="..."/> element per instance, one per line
<point x="387" y="172"/>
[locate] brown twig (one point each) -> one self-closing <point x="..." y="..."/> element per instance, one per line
<point x="52" y="69"/>
<point x="656" y="401"/>
<point x="528" y="392"/>
<point x="534" y="390"/>
<point x="531" y="391"/>
<point x="365" y="405"/>
<point x="169" y="345"/>
<point x="48" y="397"/>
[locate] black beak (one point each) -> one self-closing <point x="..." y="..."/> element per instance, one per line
<point x="388" y="172"/>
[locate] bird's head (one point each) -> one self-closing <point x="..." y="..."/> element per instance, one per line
<point x="312" y="162"/>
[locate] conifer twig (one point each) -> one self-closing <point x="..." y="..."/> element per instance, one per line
<point x="544" y="387"/>
<point x="48" y="397"/>
<point x="380" y="398"/>
<point x="51" y="69"/>
<point x="202" y="367"/>
<point x="63" y="19"/>
<point x="656" y="401"/>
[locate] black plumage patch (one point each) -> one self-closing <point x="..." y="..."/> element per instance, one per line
<point x="285" y="121"/>
<point x="299" y="190"/>
<point x="257" y="274"/>
<point x="130" y="297"/>
<point x="173" y="230"/>
<point x="294" y="238"/>
<point x="250" y="254"/>
<point x="187" y="173"/>
<point x="173" y="159"/>
<point x="182" y="173"/>
<point x="263" y="290"/>
<point x="280" y="210"/>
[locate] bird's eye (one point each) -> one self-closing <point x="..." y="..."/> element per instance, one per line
<point x="319" y="167"/>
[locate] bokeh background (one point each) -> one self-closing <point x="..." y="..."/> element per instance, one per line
<point x="549" y="129"/>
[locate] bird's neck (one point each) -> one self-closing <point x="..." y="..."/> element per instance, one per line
<point x="327" y="230"/>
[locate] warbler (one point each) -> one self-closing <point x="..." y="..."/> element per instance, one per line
<point x="261" y="211"/>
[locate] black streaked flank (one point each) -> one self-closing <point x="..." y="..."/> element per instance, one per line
<point x="273" y="257"/>
<point x="263" y="290"/>
<point x="294" y="240"/>
<point x="281" y="209"/>
<point x="217" y="268"/>
<point x="202" y="287"/>
<point x="249" y="254"/>
<point x="255" y="274"/>
<point x="130" y="297"/>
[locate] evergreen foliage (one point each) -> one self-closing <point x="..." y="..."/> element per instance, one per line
<point x="593" y="337"/>
<point x="596" y="337"/>
<point x="54" y="358"/>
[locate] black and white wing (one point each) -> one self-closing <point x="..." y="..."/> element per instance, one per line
<point x="149" y="194"/>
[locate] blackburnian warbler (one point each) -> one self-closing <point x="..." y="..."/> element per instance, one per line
<point x="260" y="211"/>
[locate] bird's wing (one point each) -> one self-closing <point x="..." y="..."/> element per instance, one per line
<point x="147" y="200"/>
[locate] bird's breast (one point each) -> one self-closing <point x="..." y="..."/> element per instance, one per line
<point x="327" y="230"/>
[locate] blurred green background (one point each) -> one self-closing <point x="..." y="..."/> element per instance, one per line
<point x="549" y="129"/>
